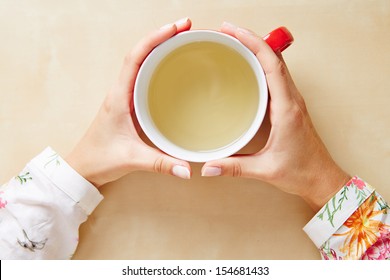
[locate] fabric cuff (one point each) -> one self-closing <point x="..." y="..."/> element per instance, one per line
<point x="64" y="177"/>
<point x="338" y="209"/>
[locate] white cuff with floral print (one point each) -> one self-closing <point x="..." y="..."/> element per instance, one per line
<point x="338" y="209"/>
<point x="64" y="177"/>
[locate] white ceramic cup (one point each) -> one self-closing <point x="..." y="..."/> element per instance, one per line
<point x="142" y="85"/>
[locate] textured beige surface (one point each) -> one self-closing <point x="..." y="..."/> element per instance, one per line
<point x="59" y="59"/>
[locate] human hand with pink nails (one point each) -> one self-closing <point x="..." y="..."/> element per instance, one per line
<point x="111" y="148"/>
<point x="294" y="159"/>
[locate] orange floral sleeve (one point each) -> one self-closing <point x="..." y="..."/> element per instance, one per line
<point x="354" y="224"/>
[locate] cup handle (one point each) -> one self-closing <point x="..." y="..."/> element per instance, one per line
<point x="279" y="39"/>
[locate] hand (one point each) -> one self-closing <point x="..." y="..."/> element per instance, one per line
<point x="294" y="158"/>
<point x="111" y="148"/>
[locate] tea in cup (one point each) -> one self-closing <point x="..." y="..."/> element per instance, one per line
<point x="201" y="95"/>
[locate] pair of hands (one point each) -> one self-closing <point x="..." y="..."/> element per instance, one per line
<point x="294" y="159"/>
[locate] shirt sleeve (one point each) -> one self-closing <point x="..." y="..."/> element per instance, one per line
<point x="354" y="224"/>
<point x="42" y="208"/>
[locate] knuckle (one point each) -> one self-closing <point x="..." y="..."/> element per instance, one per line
<point x="281" y="68"/>
<point x="110" y="101"/>
<point x="236" y="169"/>
<point x="301" y="103"/>
<point x="277" y="67"/>
<point x="107" y="103"/>
<point x="296" y="113"/>
<point x="296" y="116"/>
<point x="158" y="166"/>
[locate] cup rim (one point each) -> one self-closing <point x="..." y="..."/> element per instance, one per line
<point x="141" y="95"/>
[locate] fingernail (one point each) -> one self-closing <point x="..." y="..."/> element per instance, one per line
<point x="230" y="25"/>
<point x="166" y="26"/>
<point x="211" y="171"/>
<point x="181" y="172"/>
<point x="181" y="21"/>
<point x="245" y="31"/>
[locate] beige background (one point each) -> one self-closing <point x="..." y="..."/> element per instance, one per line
<point x="58" y="59"/>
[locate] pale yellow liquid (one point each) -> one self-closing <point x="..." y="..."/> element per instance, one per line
<point x="203" y="96"/>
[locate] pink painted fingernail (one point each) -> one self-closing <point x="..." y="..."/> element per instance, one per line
<point x="245" y="31"/>
<point x="181" y="21"/>
<point x="167" y="26"/>
<point x="181" y="172"/>
<point x="229" y="25"/>
<point x="211" y="171"/>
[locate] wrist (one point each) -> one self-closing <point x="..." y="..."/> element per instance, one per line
<point x="325" y="185"/>
<point x="79" y="162"/>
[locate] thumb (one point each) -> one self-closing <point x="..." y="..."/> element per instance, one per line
<point x="154" y="160"/>
<point x="248" y="166"/>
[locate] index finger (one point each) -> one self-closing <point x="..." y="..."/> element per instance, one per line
<point x="135" y="58"/>
<point x="276" y="72"/>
